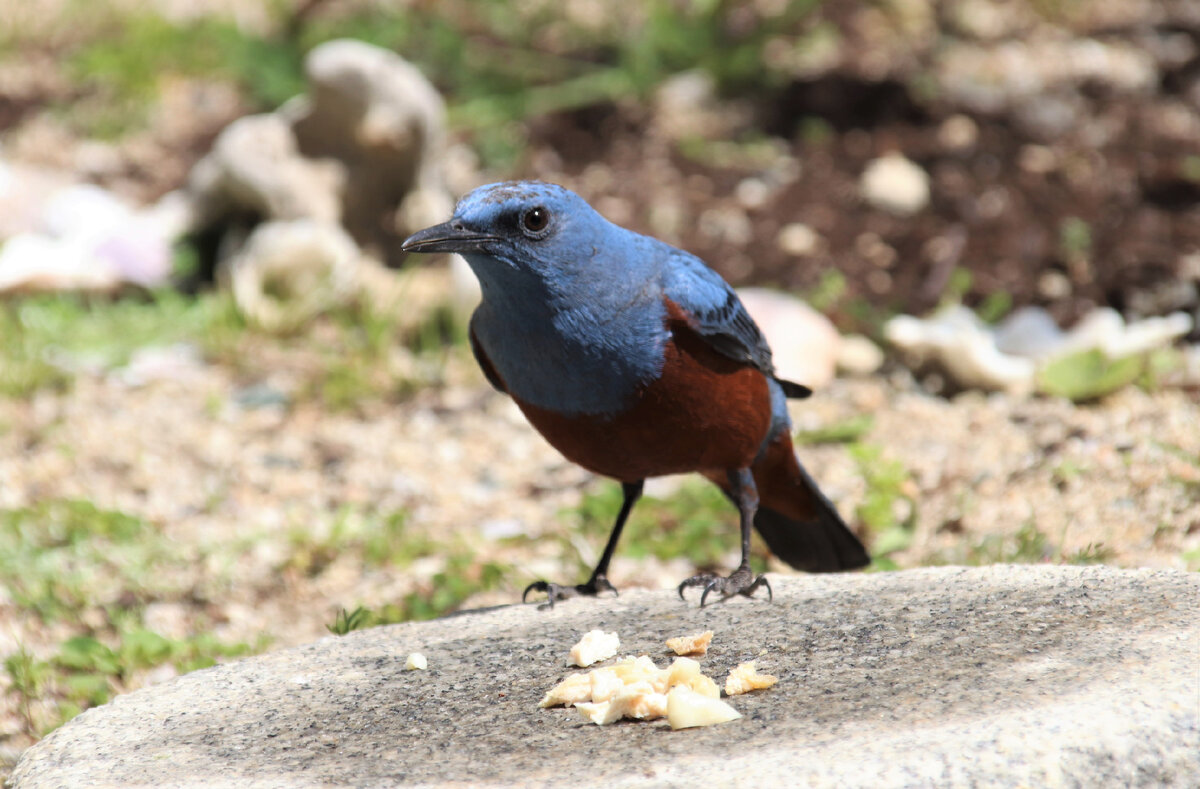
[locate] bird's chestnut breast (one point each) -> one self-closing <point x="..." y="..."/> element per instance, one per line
<point x="705" y="411"/>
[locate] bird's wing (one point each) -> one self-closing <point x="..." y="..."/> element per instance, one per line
<point x="485" y="364"/>
<point x="716" y="314"/>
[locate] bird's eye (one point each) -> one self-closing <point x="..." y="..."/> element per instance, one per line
<point x="536" y="219"/>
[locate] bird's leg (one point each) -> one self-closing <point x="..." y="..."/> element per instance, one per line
<point x="599" y="580"/>
<point x="741" y="581"/>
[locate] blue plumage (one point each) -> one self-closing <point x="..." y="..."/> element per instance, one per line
<point x="550" y="299"/>
<point x="572" y="314"/>
<point x="636" y="359"/>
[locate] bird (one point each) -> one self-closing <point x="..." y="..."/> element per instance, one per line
<point x="635" y="359"/>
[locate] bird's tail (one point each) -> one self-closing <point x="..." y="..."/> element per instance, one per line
<point x="797" y="522"/>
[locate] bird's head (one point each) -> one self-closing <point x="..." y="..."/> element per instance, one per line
<point x="537" y="227"/>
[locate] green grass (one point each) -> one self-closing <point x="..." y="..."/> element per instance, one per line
<point x="1028" y="545"/>
<point x="126" y="59"/>
<point x="45" y="340"/>
<point x="92" y="571"/>
<point x="343" y="359"/>
<point x="1074" y="238"/>
<point x="385" y="541"/>
<point x="375" y="539"/>
<point x="887" y="512"/>
<point x="60" y="558"/>
<point x="1089" y="375"/>
<point x="846" y="432"/>
<point x="1190" y="484"/>
<point x="87" y="671"/>
<point x="697" y="523"/>
<point x="491" y="59"/>
<point x="829" y="291"/>
<point x="1092" y="553"/>
<point x="465" y="574"/>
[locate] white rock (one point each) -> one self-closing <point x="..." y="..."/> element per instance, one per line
<point x="686" y="106"/>
<point x="959" y="340"/>
<point x="895" y="184"/>
<point x="377" y="114"/>
<point x="804" y="343"/>
<point x="85" y="238"/>
<point x="752" y="193"/>
<point x="1147" y="334"/>
<point x="389" y="100"/>
<point x="857" y="355"/>
<point x="1007" y="75"/>
<point x="958" y="133"/>
<point x="1029" y="332"/>
<point x="83" y="210"/>
<point x="798" y="239"/>
<point x="1008" y="356"/>
<point x="24" y="192"/>
<point x="363" y="149"/>
<point x="288" y="272"/>
<point x="31" y="262"/>
<point x="256" y="165"/>
<point x="1100" y="328"/>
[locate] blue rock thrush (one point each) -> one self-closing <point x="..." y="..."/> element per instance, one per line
<point x="635" y="360"/>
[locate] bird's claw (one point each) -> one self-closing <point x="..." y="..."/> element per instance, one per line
<point x="742" y="581"/>
<point x="556" y="592"/>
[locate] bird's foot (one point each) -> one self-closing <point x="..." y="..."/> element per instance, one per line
<point x="557" y="592"/>
<point x="742" y="581"/>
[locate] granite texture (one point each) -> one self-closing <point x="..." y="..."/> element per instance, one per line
<point x="996" y="676"/>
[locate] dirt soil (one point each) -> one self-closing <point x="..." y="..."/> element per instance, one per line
<point x="1012" y="175"/>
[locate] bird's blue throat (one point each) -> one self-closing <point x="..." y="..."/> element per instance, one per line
<point x="558" y="346"/>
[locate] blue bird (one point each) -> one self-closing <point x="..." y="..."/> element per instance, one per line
<point x="635" y="359"/>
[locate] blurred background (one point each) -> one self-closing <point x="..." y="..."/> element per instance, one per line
<point x="234" y="417"/>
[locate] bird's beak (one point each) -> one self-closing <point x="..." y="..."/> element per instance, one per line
<point x="450" y="236"/>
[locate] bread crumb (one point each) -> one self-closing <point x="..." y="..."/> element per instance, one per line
<point x="416" y="662"/>
<point x="638" y="701"/>
<point x="746" y="678"/>
<point x="600" y="713"/>
<point x="685" y="671"/>
<point x="605" y="684"/>
<point x="688" y="709"/>
<point x="572" y="690"/>
<point x="596" y="645"/>
<point x="635" y="687"/>
<point x="691" y="645"/>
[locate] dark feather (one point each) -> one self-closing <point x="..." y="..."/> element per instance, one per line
<point x="731" y="331"/>
<point x="819" y="544"/>
<point x="794" y="390"/>
<point x="485" y="364"/>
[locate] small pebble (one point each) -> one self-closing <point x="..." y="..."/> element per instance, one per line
<point x="798" y="239"/>
<point x="895" y="184"/>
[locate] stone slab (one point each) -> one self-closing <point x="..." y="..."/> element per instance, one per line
<point x="996" y="676"/>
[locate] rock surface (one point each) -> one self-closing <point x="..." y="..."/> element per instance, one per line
<point x="1002" y="675"/>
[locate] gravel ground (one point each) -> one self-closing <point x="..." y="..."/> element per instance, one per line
<point x="234" y="484"/>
